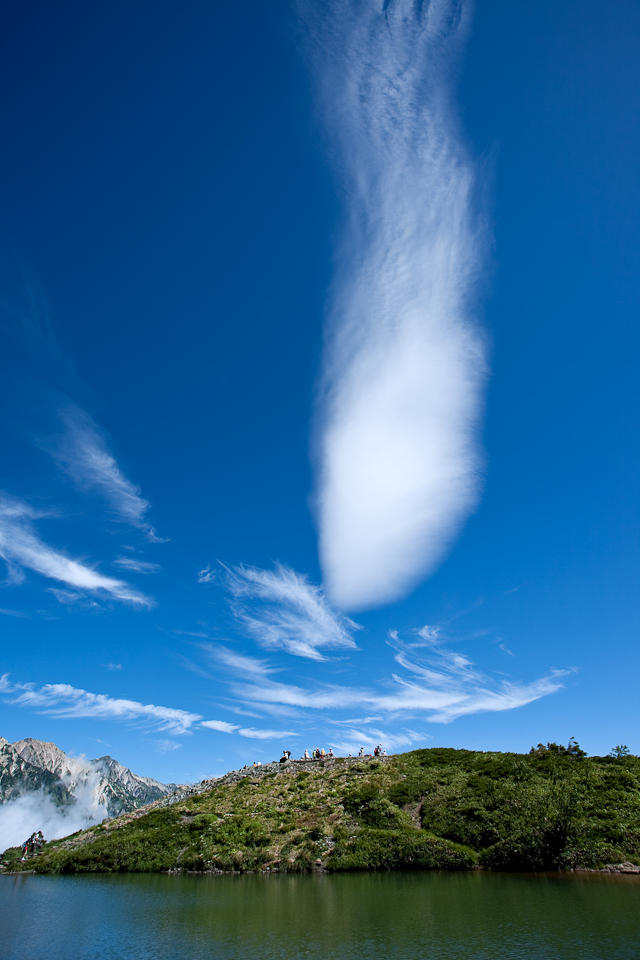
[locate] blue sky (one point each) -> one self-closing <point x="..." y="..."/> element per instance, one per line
<point x="319" y="377"/>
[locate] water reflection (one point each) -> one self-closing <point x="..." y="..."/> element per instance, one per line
<point x="402" y="915"/>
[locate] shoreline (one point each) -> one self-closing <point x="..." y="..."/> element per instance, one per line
<point x="577" y="873"/>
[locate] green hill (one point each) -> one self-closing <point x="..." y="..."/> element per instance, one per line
<point x="428" y="809"/>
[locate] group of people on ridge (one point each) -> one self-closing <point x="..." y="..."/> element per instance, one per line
<point x="377" y="752"/>
<point x="35" y="842"/>
<point x="319" y="754"/>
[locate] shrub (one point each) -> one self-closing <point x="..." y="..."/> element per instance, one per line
<point x="397" y="850"/>
<point x="407" y="791"/>
<point x="368" y="805"/>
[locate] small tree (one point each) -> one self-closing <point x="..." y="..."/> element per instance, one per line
<point x="620" y="751"/>
<point x="573" y="749"/>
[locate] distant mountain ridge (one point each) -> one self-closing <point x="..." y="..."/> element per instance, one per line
<point x="31" y="765"/>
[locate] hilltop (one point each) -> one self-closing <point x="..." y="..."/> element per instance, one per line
<point x="428" y="809"/>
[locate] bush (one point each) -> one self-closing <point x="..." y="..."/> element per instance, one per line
<point x="370" y="807"/>
<point x="407" y="791"/>
<point x="398" y="850"/>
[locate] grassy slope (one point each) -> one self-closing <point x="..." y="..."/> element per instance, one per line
<point x="436" y="808"/>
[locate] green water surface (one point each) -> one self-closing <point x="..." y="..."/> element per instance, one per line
<point x="345" y="916"/>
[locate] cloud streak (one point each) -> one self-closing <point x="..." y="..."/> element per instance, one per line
<point x="237" y="662"/>
<point x="223" y="727"/>
<point x="438" y="685"/>
<point x="136" y="566"/>
<point x="63" y="700"/>
<point x="438" y="704"/>
<point x="281" y="609"/>
<point x="207" y="575"/>
<point x="404" y="368"/>
<point x="431" y="680"/>
<point x="82" y="453"/>
<point x="20" y="546"/>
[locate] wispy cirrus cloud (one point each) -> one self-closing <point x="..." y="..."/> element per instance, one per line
<point x="250" y="732"/>
<point x="438" y="685"/>
<point x="207" y="575"/>
<point x="281" y="609"/>
<point x="435" y="681"/>
<point x="404" y="367"/>
<point x="15" y="575"/>
<point x="254" y="734"/>
<point x="81" y="451"/>
<point x="406" y="698"/>
<point x="14" y="613"/>
<point x="222" y="726"/>
<point x="74" y="598"/>
<point x="63" y="700"/>
<point x="166" y="746"/>
<point x="237" y="662"/>
<point x="136" y="566"/>
<point x="21" y="547"/>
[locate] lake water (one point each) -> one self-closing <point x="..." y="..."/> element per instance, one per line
<point x="434" y="916"/>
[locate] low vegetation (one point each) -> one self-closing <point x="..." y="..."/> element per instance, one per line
<point x="429" y="809"/>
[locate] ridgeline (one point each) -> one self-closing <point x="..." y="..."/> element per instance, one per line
<point x="429" y="809"/>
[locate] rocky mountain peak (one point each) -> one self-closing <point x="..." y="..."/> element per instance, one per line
<point x="31" y="765"/>
<point x="47" y="756"/>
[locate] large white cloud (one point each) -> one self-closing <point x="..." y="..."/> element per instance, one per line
<point x="397" y="451"/>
